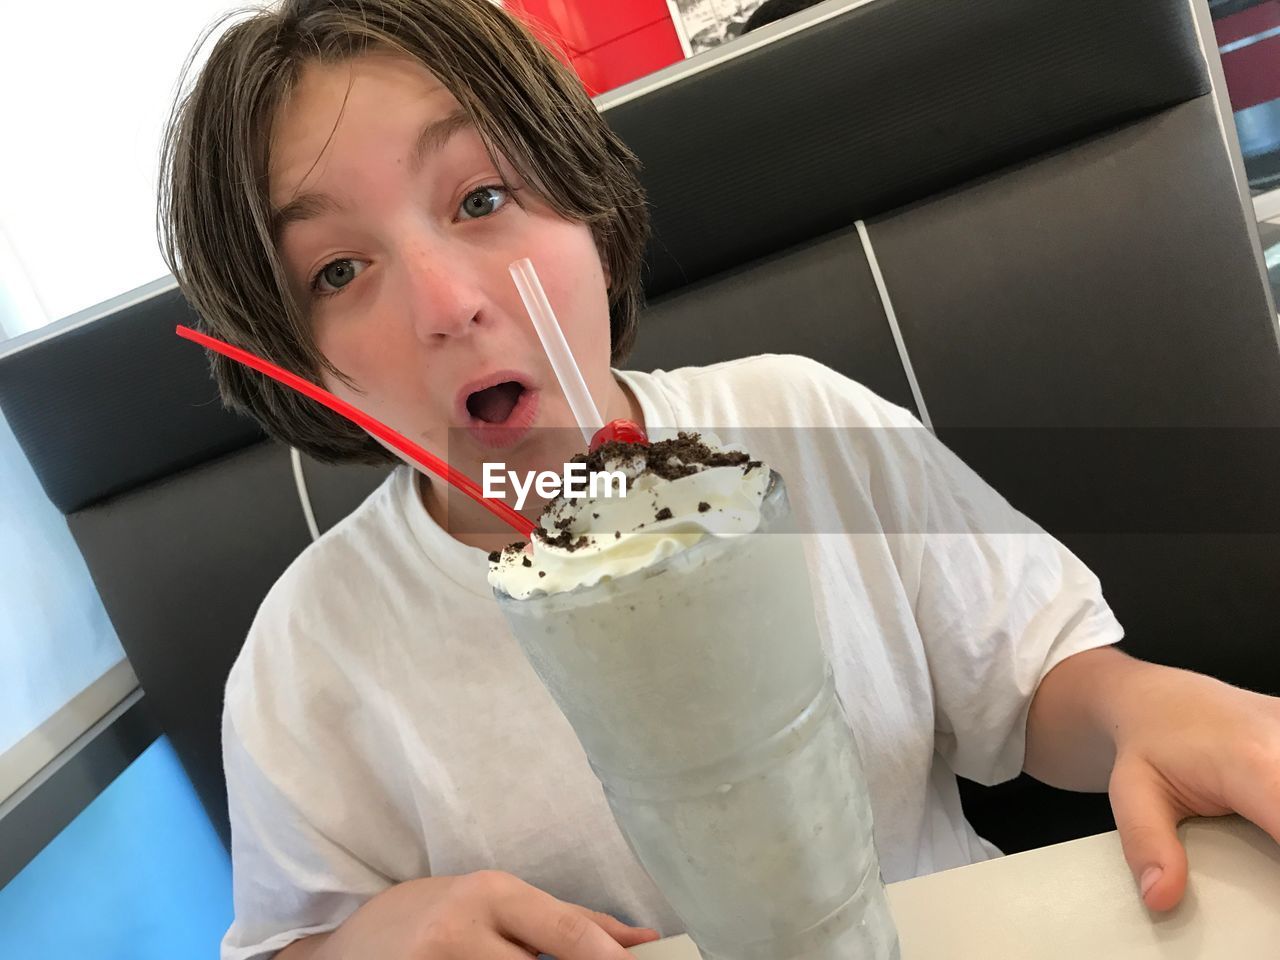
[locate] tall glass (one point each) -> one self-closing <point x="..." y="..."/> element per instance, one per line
<point x="700" y="692"/>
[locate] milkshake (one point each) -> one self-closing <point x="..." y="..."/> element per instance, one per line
<point x="675" y="629"/>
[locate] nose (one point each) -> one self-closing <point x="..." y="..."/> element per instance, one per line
<point x="443" y="299"/>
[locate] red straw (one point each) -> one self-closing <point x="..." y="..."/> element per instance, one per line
<point x="361" y="419"/>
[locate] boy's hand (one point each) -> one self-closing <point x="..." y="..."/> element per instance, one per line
<point x="1188" y="745"/>
<point x="1174" y="745"/>
<point x="480" y="916"/>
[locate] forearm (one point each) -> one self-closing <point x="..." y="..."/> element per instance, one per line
<point x="1166" y="744"/>
<point x="1077" y="714"/>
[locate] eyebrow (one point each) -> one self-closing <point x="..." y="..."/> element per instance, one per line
<point x="431" y="139"/>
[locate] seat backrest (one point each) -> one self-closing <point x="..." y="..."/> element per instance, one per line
<point x="1018" y="218"/>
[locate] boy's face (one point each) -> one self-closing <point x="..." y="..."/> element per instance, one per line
<point x="400" y="255"/>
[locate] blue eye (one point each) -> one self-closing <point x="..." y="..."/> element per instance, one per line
<point x="336" y="274"/>
<point x="482" y="202"/>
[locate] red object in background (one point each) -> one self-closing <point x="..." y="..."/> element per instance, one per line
<point x="607" y="43"/>
<point x="1252" y="68"/>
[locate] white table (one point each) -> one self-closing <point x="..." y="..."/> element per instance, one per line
<point x="1077" y="900"/>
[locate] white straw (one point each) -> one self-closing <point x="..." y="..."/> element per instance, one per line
<point x="557" y="348"/>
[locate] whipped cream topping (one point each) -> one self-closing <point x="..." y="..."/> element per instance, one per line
<point x="678" y="492"/>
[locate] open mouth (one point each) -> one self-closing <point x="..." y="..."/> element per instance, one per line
<point x="499" y="414"/>
<point x="494" y="405"/>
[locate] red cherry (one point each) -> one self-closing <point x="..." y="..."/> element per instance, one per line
<point x="624" y="431"/>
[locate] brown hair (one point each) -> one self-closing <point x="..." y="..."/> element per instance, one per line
<point x="214" y="215"/>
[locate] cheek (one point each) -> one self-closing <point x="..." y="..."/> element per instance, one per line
<point x="377" y="370"/>
<point x="583" y="291"/>
<point x="352" y="358"/>
<point x="362" y="340"/>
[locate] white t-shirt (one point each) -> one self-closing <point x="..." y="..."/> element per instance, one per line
<point x="381" y="723"/>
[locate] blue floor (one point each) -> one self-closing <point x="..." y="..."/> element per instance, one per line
<point x="138" y="875"/>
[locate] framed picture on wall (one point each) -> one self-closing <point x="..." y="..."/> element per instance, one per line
<point x="709" y="23"/>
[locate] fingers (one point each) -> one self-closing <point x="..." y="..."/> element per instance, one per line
<point x="495" y="947"/>
<point x="560" y="930"/>
<point x="546" y="925"/>
<point x="626" y="935"/>
<point x="1147" y="819"/>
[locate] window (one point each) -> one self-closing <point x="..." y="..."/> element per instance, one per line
<point x="62" y="664"/>
<point x="1269" y="232"/>
<point x="1248" y="36"/>
<point x="77" y="201"/>
<point x="77" y="227"/>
